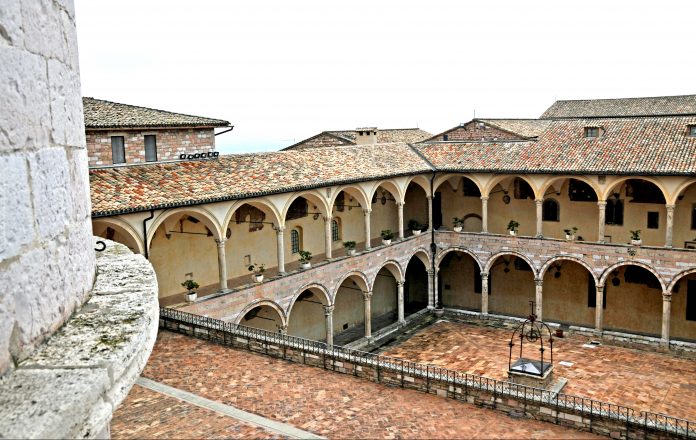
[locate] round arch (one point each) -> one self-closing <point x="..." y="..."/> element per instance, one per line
<point x="200" y="213"/>
<point x="390" y="186"/>
<point x="260" y="303"/>
<point x="394" y="268"/>
<point x="311" y="196"/>
<point x="609" y="189"/>
<point x="317" y="289"/>
<point x="442" y="255"/>
<point x="550" y="261"/>
<point x="423" y="255"/>
<point x="610" y="269"/>
<point x="124" y="228"/>
<point x="261" y="204"/>
<point x="354" y="191"/>
<point x="357" y="276"/>
<point x="421" y="181"/>
<point x="445" y="178"/>
<point x="499" y="178"/>
<point x="679" y="191"/>
<point x="678" y="278"/>
<point x="492" y="258"/>
<point x="585" y="179"/>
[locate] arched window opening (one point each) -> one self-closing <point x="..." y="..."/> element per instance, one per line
<point x="335" y="230"/>
<point x="295" y="241"/>
<point x="551" y="211"/>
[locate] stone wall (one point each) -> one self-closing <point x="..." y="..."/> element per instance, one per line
<point x="170" y="144"/>
<point x="471" y="131"/>
<point x="320" y="141"/>
<point x="46" y="250"/>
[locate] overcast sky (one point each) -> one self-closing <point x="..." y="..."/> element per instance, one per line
<point x="281" y="71"/>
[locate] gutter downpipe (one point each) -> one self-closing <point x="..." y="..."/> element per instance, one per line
<point x="147" y="251"/>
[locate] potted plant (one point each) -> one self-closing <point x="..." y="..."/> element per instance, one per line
<point x="258" y="270"/>
<point x="305" y="257"/>
<point x="635" y="238"/>
<point x="350" y="247"/>
<point x="570" y="233"/>
<point x="415" y="227"/>
<point x="191" y="286"/>
<point x="458" y="224"/>
<point x="512" y="227"/>
<point x="387" y="236"/>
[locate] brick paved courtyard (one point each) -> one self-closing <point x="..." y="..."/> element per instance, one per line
<point x="322" y="402"/>
<point x="643" y="380"/>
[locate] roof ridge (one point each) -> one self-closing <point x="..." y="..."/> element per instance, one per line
<point x="154" y="109"/>
<point x="617" y="99"/>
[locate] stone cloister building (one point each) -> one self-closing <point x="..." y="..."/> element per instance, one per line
<point x="599" y="168"/>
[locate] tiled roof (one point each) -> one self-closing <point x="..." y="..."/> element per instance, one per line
<point x="408" y="135"/>
<point x="138" y="188"/>
<point x="657" y="145"/>
<point x="528" y="128"/>
<point x="106" y="114"/>
<point x="660" y="105"/>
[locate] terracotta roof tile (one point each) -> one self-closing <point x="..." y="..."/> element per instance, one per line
<point x="660" y="105"/>
<point x="528" y="128"/>
<point x="106" y="114"/>
<point x="347" y="137"/>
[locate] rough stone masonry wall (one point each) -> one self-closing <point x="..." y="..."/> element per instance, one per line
<point x="170" y="144"/>
<point x="472" y="132"/>
<point x="47" y="262"/>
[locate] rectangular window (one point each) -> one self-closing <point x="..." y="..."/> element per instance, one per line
<point x="691" y="300"/>
<point x="614" y="212"/>
<point x="150" y="148"/>
<point x="445" y="137"/>
<point x="592" y="294"/>
<point x="653" y="220"/>
<point x="591" y="132"/>
<point x="118" y="149"/>
<point x="692" y="130"/>
<point x="693" y="216"/>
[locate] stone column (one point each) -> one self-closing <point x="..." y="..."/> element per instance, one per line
<point x="539" y="299"/>
<point x="400" y="207"/>
<point x="400" y="301"/>
<point x="367" y="296"/>
<point x="430" y="212"/>
<point x="670" y="225"/>
<point x="599" y="310"/>
<point x="281" y="249"/>
<point x="432" y="290"/>
<point x="367" y="228"/>
<point x="539" y="218"/>
<point x="222" y="263"/>
<point x="666" y="316"/>
<point x="484" y="293"/>
<point x="602" y="205"/>
<point x="327" y="237"/>
<point x="328" y="313"/>
<point x="484" y="214"/>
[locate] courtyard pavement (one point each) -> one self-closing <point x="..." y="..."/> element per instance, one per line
<point x="640" y="379"/>
<point x="325" y="403"/>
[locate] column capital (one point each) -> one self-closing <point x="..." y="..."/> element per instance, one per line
<point x="484" y="275"/>
<point x="367" y="295"/>
<point x="400" y="283"/>
<point x="599" y="288"/>
<point x="484" y="198"/>
<point x="602" y="203"/>
<point x="279" y="228"/>
<point x="367" y="211"/>
<point x="429" y="196"/>
<point x="220" y="242"/>
<point x="283" y="329"/>
<point x="328" y="218"/>
<point x="539" y="282"/>
<point x="538" y="201"/>
<point x="669" y="207"/>
<point x="666" y="296"/>
<point x="328" y="310"/>
<point x="400" y="204"/>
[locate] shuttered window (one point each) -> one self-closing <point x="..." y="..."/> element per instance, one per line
<point x="150" y="148"/>
<point x="118" y="150"/>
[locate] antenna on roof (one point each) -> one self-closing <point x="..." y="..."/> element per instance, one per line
<point x="474" y="113"/>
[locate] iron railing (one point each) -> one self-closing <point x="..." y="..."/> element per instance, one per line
<point x="557" y="401"/>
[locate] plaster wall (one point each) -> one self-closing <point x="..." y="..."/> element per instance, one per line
<point x="680" y="327"/>
<point x="351" y="225"/>
<point x="384" y="294"/>
<point x="633" y="307"/>
<point x="260" y="246"/>
<point x="47" y="261"/>
<point x="349" y="307"/>
<point x="307" y="320"/>
<point x="565" y="299"/>
<point x="457" y="288"/>
<point x="454" y="204"/>
<point x="415" y="206"/>
<point x="682" y="218"/>
<point x="384" y="216"/>
<point x="266" y="319"/>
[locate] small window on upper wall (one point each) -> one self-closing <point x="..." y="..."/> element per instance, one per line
<point x="118" y="149"/>
<point x="653" y="220"/>
<point x="150" y="148"/>
<point x="591" y="132"/>
<point x="692" y="130"/>
<point x="445" y="137"/>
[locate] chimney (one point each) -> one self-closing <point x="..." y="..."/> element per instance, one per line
<point x="366" y="135"/>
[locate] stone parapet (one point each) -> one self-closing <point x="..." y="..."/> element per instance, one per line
<point x="71" y="384"/>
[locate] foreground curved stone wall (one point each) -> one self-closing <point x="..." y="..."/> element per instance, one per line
<point x="46" y="249"/>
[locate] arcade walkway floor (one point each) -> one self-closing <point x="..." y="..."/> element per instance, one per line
<point x="640" y="379"/>
<point x="320" y="402"/>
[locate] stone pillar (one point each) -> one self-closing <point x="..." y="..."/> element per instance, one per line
<point x="367" y="296"/>
<point x="602" y="205"/>
<point x="484" y="293"/>
<point x="281" y="249"/>
<point x="432" y="290"/>
<point x="328" y="313"/>
<point x="400" y="301"/>
<point x="484" y="214"/>
<point x="666" y="316"/>
<point x="599" y="310"/>
<point x="670" y="225"/>
<point x="430" y="212"/>
<point x="539" y="218"/>
<point x="400" y="207"/>
<point x="539" y="299"/>
<point x="367" y="228"/>
<point x="327" y="237"/>
<point x="222" y="263"/>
